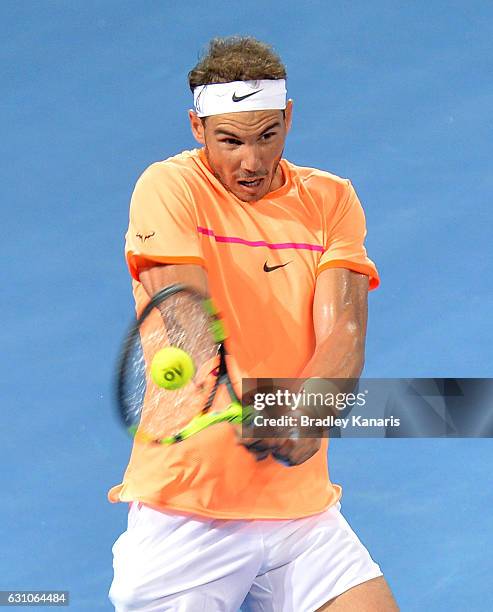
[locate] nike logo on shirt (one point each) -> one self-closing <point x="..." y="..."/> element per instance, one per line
<point x="272" y="268"/>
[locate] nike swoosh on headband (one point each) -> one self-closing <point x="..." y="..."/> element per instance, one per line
<point x="236" y="98"/>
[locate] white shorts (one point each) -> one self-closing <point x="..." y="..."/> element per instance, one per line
<point x="166" y="561"/>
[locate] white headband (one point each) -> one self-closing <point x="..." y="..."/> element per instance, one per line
<point x="239" y="96"/>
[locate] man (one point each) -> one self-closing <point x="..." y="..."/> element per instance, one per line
<point x="217" y="522"/>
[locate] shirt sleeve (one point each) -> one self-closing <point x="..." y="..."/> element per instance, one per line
<point x="346" y="232"/>
<point x="162" y="227"/>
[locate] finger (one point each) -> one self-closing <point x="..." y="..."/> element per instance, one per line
<point x="280" y="458"/>
<point x="248" y="441"/>
<point x="262" y="444"/>
<point x="303" y="453"/>
<point x="297" y="451"/>
<point x="285" y="446"/>
<point x="261" y="456"/>
<point x="259" y="447"/>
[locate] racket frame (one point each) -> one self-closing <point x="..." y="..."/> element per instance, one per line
<point x="234" y="413"/>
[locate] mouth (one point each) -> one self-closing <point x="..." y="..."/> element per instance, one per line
<point x="251" y="184"/>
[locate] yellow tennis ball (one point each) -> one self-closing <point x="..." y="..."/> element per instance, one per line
<point x="172" y="368"/>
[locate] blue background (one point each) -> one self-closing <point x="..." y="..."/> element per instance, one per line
<point x="395" y="95"/>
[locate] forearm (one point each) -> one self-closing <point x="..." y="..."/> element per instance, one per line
<point x="340" y="319"/>
<point x="335" y="365"/>
<point x="340" y="355"/>
<point x="332" y="371"/>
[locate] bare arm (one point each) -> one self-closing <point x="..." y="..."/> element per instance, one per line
<point x="340" y="312"/>
<point x="160" y="276"/>
<point x="339" y="318"/>
<point x="157" y="277"/>
<point x="339" y="315"/>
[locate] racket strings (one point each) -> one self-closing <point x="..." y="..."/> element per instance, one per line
<point x="187" y="325"/>
<point x="179" y="321"/>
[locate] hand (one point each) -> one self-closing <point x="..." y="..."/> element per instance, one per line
<point x="296" y="451"/>
<point x="294" y="447"/>
<point x="261" y="448"/>
<point x="291" y="450"/>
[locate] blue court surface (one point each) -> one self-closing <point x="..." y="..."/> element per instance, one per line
<point x="395" y="95"/>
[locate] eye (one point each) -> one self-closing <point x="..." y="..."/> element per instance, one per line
<point x="231" y="141"/>
<point x="268" y="136"/>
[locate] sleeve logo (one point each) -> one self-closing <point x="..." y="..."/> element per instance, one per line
<point x="144" y="237"/>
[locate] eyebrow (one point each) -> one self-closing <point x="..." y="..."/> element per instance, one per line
<point x="221" y="132"/>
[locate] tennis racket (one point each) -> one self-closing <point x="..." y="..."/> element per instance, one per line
<point x="172" y="365"/>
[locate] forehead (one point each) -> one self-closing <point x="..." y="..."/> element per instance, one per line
<point x="247" y="122"/>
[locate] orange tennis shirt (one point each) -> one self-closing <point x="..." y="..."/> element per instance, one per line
<point x="180" y="213"/>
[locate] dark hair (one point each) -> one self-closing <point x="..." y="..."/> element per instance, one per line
<point x="236" y="58"/>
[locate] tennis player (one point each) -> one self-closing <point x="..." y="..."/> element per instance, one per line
<point x="217" y="522"/>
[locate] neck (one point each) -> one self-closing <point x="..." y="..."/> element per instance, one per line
<point x="279" y="178"/>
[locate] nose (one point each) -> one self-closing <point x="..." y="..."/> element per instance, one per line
<point x="250" y="161"/>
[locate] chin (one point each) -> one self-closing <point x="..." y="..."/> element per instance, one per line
<point x="250" y="198"/>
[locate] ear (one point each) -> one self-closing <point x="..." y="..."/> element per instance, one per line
<point x="288" y="114"/>
<point x="197" y="127"/>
